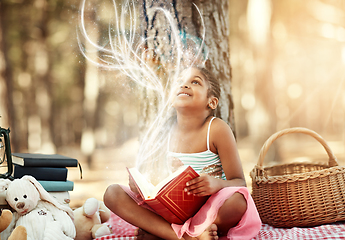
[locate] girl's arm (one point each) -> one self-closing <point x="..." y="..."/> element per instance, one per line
<point x="222" y="142"/>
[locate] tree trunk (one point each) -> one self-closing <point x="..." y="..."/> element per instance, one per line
<point x="6" y="88"/>
<point x="91" y="96"/>
<point x="216" y="17"/>
<point x="216" y="20"/>
<point x="163" y="53"/>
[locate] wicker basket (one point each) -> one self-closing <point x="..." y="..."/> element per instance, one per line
<point x="299" y="194"/>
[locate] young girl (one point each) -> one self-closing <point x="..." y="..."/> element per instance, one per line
<point x="207" y="144"/>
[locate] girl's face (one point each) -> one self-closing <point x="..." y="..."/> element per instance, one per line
<point x="192" y="90"/>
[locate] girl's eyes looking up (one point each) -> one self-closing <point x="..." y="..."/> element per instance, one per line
<point x="196" y="82"/>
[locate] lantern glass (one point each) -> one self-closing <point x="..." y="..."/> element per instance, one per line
<point x="2" y="151"/>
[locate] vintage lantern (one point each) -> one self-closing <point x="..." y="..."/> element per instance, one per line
<point x="5" y="152"/>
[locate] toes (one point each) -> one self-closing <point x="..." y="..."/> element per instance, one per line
<point x="213" y="227"/>
<point x="138" y="234"/>
<point x="136" y="231"/>
<point x="214" y="235"/>
<point x="213" y="230"/>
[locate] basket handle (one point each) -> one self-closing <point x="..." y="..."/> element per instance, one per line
<point x="332" y="162"/>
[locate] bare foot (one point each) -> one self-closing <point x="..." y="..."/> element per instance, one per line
<point x="143" y="235"/>
<point x="210" y="233"/>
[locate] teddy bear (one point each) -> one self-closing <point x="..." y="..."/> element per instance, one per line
<point x="19" y="233"/>
<point x="6" y="217"/>
<point x="43" y="216"/>
<point x="90" y="219"/>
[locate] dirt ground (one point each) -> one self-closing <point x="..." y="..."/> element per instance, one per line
<point x="109" y="165"/>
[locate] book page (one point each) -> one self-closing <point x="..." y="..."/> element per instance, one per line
<point x="145" y="187"/>
<point x="161" y="184"/>
<point x="18" y="160"/>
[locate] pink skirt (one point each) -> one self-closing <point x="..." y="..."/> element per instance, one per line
<point x="246" y="229"/>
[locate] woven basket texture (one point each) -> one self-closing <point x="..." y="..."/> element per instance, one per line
<point x="299" y="194"/>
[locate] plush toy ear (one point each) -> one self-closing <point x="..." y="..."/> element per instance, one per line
<point x="44" y="195"/>
<point x="4" y="183"/>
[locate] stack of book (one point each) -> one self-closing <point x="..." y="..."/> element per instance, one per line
<point x="50" y="170"/>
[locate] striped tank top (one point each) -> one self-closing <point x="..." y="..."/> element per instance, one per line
<point x="202" y="162"/>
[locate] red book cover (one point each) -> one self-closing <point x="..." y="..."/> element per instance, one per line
<point x="169" y="199"/>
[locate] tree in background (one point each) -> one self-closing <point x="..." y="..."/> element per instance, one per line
<point x="216" y="24"/>
<point x="42" y="73"/>
<point x="39" y="74"/>
<point x="150" y="48"/>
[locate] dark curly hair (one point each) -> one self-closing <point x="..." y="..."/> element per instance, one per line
<point x="214" y="86"/>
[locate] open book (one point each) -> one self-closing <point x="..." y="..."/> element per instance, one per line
<point x="168" y="198"/>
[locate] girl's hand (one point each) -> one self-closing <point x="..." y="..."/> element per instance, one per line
<point x="203" y="186"/>
<point x="132" y="185"/>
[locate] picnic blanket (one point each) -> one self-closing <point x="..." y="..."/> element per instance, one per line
<point x="122" y="230"/>
<point x="328" y="231"/>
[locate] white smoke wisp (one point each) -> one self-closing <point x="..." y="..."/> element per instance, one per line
<point x="127" y="51"/>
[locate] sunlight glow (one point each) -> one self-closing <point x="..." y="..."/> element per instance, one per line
<point x="129" y="52"/>
<point x="325" y="12"/>
<point x="340" y="34"/>
<point x="258" y="18"/>
<point x="24" y="79"/>
<point x="130" y="117"/>
<point x="327" y="30"/>
<point x="41" y="62"/>
<point x="278" y="74"/>
<point x="343" y="55"/>
<point x="34" y="132"/>
<point x="279" y="31"/>
<point x="88" y="143"/>
<point x="282" y="111"/>
<point x="248" y="101"/>
<point x="294" y="91"/>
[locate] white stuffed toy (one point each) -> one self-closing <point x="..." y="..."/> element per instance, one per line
<point x="90" y="220"/>
<point x="40" y="213"/>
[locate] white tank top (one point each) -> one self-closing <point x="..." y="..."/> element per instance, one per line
<point x="202" y="162"/>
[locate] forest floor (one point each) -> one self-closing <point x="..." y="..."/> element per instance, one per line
<point x="109" y="165"/>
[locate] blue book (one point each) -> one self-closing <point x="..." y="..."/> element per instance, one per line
<point x="41" y="173"/>
<point x="57" y="186"/>
<point x="43" y="160"/>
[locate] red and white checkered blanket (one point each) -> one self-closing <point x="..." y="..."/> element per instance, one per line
<point x="328" y="231"/>
<point x="122" y="230"/>
<point x="125" y="231"/>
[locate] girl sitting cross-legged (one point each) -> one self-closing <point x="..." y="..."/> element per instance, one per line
<point x="207" y="144"/>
